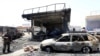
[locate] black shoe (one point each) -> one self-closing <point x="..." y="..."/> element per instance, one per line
<point x="10" y="51"/>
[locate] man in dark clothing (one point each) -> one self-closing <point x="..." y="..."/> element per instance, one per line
<point x="7" y="38"/>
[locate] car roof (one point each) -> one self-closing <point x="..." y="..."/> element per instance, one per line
<point x="67" y="34"/>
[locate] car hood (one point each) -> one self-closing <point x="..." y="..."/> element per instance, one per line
<point x="48" y="42"/>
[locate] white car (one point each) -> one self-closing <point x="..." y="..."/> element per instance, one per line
<point x="83" y="42"/>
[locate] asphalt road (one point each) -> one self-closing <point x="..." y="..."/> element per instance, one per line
<point x="18" y="45"/>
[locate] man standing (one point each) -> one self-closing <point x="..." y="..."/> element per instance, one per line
<point x="7" y="38"/>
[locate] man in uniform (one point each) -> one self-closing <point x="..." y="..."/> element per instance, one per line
<point x="7" y="38"/>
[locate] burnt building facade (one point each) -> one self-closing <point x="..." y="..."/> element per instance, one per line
<point x="54" y="21"/>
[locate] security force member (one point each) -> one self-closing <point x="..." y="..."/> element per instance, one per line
<point x="7" y="38"/>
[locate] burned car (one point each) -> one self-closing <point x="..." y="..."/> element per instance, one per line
<point x="83" y="42"/>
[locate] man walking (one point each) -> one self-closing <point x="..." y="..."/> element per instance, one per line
<point x="7" y="38"/>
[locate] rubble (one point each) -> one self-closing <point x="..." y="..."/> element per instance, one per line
<point x="30" y="48"/>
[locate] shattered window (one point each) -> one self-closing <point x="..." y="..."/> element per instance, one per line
<point x="85" y="37"/>
<point x="65" y="39"/>
<point x="77" y="38"/>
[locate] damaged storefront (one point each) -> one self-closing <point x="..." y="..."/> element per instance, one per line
<point x="52" y="23"/>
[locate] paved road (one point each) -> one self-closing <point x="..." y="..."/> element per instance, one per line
<point x="19" y="44"/>
<point x="41" y="53"/>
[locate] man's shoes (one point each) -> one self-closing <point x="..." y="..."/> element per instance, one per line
<point x="10" y="51"/>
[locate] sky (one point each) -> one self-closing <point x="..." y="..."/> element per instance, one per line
<point x="11" y="10"/>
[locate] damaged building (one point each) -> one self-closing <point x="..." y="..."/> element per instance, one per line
<point x="52" y="22"/>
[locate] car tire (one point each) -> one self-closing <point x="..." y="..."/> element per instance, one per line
<point x="48" y="49"/>
<point x="86" y="50"/>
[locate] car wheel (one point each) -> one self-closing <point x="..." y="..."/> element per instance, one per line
<point x="86" y="50"/>
<point x="48" y="49"/>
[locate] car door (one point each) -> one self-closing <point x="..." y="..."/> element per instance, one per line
<point x="63" y="44"/>
<point x="77" y="42"/>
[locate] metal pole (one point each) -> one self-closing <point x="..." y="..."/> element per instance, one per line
<point x="32" y="10"/>
<point x="39" y="9"/>
<point x="64" y="6"/>
<point x="55" y="7"/>
<point x="32" y="28"/>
